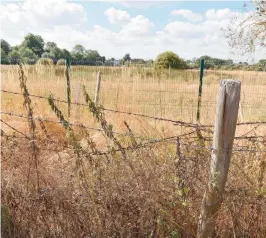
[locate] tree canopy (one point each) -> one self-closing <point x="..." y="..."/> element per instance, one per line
<point x="34" y="48"/>
<point x="169" y="59"/>
<point x="210" y="62"/>
<point x="5" y="46"/>
<point x="127" y="57"/>
<point x="245" y="35"/>
<point x="34" y="43"/>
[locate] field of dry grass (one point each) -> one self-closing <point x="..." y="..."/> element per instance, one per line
<point x="138" y="193"/>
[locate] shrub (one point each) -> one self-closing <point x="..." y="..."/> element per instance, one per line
<point x="45" y="61"/>
<point x="61" y="62"/>
<point x="169" y="58"/>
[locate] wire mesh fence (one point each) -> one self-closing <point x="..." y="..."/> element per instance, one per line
<point x="167" y="93"/>
<point x="157" y="191"/>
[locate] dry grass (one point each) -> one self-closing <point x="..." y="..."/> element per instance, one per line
<point x="140" y="196"/>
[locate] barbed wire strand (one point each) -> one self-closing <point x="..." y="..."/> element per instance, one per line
<point x="176" y="122"/>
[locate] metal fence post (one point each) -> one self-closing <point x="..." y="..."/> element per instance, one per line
<point x="68" y="85"/>
<point x="224" y="133"/>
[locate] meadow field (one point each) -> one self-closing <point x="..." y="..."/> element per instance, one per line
<point x="109" y="173"/>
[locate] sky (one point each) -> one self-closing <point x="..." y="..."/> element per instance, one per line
<point x="113" y="28"/>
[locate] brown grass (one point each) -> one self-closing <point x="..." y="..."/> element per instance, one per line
<point x="141" y="196"/>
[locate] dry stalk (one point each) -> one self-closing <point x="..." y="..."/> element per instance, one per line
<point x="97" y="112"/>
<point x="31" y="122"/>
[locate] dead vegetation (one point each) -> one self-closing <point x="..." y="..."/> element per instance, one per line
<point x="137" y="183"/>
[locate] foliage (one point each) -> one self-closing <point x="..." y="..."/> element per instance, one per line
<point x="169" y="59"/>
<point x="127" y="57"/>
<point x="244" y="36"/>
<point x="61" y="62"/>
<point x="55" y="53"/>
<point x="27" y="55"/>
<point x="5" y="46"/>
<point x="4" y="57"/>
<point x="210" y="62"/>
<point x="35" y="43"/>
<point x="262" y="62"/>
<point x="80" y="55"/>
<point x="14" y="56"/>
<point x="45" y="61"/>
<point x="33" y="47"/>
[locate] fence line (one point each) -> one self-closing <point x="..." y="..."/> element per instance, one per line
<point x="176" y="122"/>
<point x="43" y="119"/>
<point x="152" y="140"/>
<point x="143" y="145"/>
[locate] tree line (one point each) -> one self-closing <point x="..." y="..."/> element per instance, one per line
<point x="33" y="49"/>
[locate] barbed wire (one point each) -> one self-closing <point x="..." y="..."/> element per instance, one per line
<point x="152" y="141"/>
<point x="14" y="129"/>
<point x="81" y="125"/>
<point x="143" y="145"/>
<point x="175" y="122"/>
<point x="156" y="141"/>
<point x="215" y="150"/>
<point x="57" y="122"/>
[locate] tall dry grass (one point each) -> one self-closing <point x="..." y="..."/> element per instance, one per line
<point x="155" y="191"/>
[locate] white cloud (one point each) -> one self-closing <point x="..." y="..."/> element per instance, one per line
<point x="117" y="16"/>
<point x="38" y="15"/>
<point x="140" y="4"/>
<point x="66" y="24"/>
<point x="220" y="14"/>
<point x="183" y="29"/>
<point x="131" y="27"/>
<point x="138" y="26"/>
<point x="187" y="14"/>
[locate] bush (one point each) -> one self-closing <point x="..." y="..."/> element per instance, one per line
<point x="45" y="61"/>
<point x="61" y="62"/>
<point x="169" y="58"/>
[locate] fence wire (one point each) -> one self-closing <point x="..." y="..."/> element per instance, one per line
<point x="165" y="174"/>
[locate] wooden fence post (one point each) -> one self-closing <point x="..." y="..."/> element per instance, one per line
<point x="200" y="89"/>
<point x="224" y="132"/>
<point x="98" y="85"/>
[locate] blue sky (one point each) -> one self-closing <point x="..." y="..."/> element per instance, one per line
<point x="158" y="13"/>
<point x="143" y="29"/>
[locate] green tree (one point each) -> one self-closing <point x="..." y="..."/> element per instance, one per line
<point x="91" y="57"/>
<point x="169" y="58"/>
<point x="14" y="56"/>
<point x="78" y="54"/>
<point x="210" y="62"/>
<point x="262" y="62"/>
<point x="65" y="54"/>
<point x="34" y="43"/>
<point x="4" y="57"/>
<point x="127" y="57"/>
<point x="5" y="46"/>
<point x="27" y="55"/>
<point x="49" y="45"/>
<point x="53" y="52"/>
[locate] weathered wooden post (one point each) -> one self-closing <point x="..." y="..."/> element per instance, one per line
<point x="224" y="132"/>
<point x="98" y="85"/>
<point x="77" y="98"/>
<point x="200" y="89"/>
